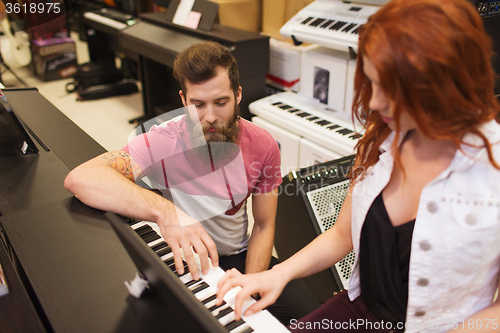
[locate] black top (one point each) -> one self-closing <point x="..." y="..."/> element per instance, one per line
<point x="384" y="260"/>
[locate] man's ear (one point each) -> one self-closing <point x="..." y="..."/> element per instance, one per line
<point x="238" y="95"/>
<point x="183" y="99"/>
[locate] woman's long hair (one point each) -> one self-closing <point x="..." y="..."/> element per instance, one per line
<point x="433" y="58"/>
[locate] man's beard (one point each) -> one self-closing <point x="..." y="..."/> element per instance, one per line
<point x="224" y="133"/>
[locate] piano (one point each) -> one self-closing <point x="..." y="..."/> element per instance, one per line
<point x="155" y="42"/>
<point x="111" y="18"/>
<point x="64" y="264"/>
<point x="203" y="290"/>
<point x="328" y="23"/>
<point x="310" y="119"/>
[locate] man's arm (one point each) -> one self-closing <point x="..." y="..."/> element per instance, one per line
<point x="261" y="241"/>
<point x="107" y="183"/>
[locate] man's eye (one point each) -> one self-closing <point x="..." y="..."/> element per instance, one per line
<point x="221" y="103"/>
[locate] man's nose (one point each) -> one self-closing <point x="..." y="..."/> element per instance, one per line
<point x="210" y="115"/>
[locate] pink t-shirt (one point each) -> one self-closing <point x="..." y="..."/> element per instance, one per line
<point x="211" y="190"/>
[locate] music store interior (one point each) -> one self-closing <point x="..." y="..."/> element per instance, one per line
<point x="79" y="76"/>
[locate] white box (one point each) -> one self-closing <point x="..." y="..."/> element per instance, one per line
<point x="323" y="76"/>
<point x="284" y="64"/>
<point x="311" y="154"/>
<point x="349" y="88"/>
<point x="287" y="141"/>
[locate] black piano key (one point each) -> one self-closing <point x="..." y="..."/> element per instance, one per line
<point x="186" y="270"/>
<point x="356" y="136"/>
<point x="190" y="283"/>
<point x="143" y="229"/>
<point x="303" y="114"/>
<point x="224" y="312"/>
<point x="235" y="323"/>
<point x="209" y="299"/>
<point x="285" y="107"/>
<point x="323" y="122"/>
<point x="169" y="262"/>
<point x="313" y="118"/>
<point x="307" y="20"/>
<point x="159" y="246"/>
<point x="215" y="307"/>
<point x="294" y="110"/>
<point x="162" y="252"/>
<point x="150" y="236"/>
<point x="333" y="127"/>
<point x="196" y="284"/>
<point x="276" y="103"/>
<point x="355" y="31"/>
<point x="349" y="27"/>
<point x="316" y="22"/>
<point x="344" y="131"/>
<point x="201" y="287"/>
<point x="327" y="23"/>
<point x="338" y="25"/>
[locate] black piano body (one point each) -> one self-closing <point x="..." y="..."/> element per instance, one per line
<point x="154" y="41"/>
<point x="64" y="264"/>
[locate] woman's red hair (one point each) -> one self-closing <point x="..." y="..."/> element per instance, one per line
<point x="433" y="59"/>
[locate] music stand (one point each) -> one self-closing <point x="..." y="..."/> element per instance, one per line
<point x="207" y="9"/>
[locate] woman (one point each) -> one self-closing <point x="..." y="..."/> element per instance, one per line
<point x="422" y="213"/>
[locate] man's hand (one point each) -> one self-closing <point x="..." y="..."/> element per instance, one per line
<point x="268" y="284"/>
<point x="189" y="236"/>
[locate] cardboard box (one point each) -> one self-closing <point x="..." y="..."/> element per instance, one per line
<point x="275" y="13"/>
<point x="323" y="77"/>
<point x="284" y="64"/>
<point x="54" y="58"/>
<point x="241" y="14"/>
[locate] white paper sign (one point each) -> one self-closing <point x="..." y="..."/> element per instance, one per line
<point x="182" y="12"/>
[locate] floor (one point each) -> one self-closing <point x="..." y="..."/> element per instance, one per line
<point x="105" y="120"/>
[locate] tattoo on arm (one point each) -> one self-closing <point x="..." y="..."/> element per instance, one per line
<point x="123" y="163"/>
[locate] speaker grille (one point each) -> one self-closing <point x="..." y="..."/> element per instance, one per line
<point x="326" y="203"/>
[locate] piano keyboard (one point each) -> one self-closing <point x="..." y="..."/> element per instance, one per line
<point x="111" y="18"/>
<point x="311" y="120"/>
<point x="331" y="24"/>
<point x="205" y="288"/>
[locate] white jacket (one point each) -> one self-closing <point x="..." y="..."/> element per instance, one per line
<point x="455" y="250"/>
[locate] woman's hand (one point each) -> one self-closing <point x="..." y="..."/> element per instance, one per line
<point x="268" y="284"/>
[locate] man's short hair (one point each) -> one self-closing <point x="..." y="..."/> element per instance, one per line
<point x="199" y="63"/>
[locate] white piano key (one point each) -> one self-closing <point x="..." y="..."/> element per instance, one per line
<point x="219" y="309"/>
<point x="104" y="20"/>
<point x="241" y="328"/>
<point x="210" y="304"/>
<point x="305" y="28"/>
<point x="195" y="285"/>
<point x="167" y="256"/>
<point x="322" y="135"/>
<point x="155" y="242"/>
<point x="205" y="293"/>
<point x="227" y="319"/>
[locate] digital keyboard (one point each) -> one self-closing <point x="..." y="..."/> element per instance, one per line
<point x="205" y="288"/>
<point x="308" y="118"/>
<point x="332" y="24"/>
<point x="111" y="18"/>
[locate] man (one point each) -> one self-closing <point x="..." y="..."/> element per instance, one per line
<point x="207" y="162"/>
